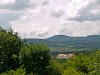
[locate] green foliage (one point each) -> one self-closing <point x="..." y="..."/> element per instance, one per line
<point x="81" y="63"/>
<point x="34" y="58"/>
<point x="10" y="45"/>
<point x="17" y="58"/>
<point x="84" y="64"/>
<point x="70" y="71"/>
<point x="52" y="70"/>
<point x="19" y="71"/>
<point x="56" y="67"/>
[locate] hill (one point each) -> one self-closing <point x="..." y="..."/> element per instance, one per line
<point x="66" y="43"/>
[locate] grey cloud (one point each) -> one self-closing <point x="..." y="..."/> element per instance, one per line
<point x="39" y="34"/>
<point x="18" y="5"/>
<point x="67" y="28"/>
<point x="57" y="14"/>
<point x="74" y="28"/>
<point x="5" y="25"/>
<point x="45" y="2"/>
<point x="9" y="16"/>
<point x="98" y="1"/>
<point x="85" y="14"/>
<point x="6" y="18"/>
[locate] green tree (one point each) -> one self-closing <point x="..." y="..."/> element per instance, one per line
<point x="18" y="71"/>
<point x="52" y="70"/>
<point x="34" y="58"/>
<point x="10" y="45"/>
<point x="71" y="71"/>
<point x="80" y="63"/>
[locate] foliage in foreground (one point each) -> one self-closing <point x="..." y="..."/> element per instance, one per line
<point x="17" y="58"/>
<point x="10" y="45"/>
<point x="34" y="58"/>
<point x="83" y="64"/>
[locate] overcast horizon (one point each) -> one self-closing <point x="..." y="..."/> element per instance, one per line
<point x="45" y="18"/>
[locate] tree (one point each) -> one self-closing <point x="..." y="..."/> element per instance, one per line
<point x="52" y="70"/>
<point x="10" y="45"/>
<point x="71" y="71"/>
<point x="34" y="58"/>
<point x="18" y="71"/>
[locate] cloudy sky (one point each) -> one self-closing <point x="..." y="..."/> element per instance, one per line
<point x="45" y="18"/>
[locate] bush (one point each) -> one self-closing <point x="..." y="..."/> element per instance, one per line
<point x="34" y="58"/>
<point x="19" y="71"/>
<point x="10" y="45"/>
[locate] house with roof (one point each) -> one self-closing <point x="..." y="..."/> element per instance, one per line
<point x="65" y="56"/>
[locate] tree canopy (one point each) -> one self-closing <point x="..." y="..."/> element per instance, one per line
<point x="10" y="45"/>
<point x="34" y="58"/>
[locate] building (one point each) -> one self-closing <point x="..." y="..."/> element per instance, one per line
<point x="65" y="56"/>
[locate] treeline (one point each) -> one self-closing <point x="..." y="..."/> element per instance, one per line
<point x="18" y="58"/>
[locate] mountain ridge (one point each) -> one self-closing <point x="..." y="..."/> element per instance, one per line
<point x="63" y="41"/>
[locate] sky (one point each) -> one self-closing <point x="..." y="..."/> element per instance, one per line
<point x="45" y="18"/>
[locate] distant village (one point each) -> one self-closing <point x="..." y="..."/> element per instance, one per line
<point x="65" y="56"/>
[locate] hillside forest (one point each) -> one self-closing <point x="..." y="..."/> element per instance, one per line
<point x="20" y="58"/>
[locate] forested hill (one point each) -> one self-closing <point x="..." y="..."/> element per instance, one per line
<point x="88" y="42"/>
